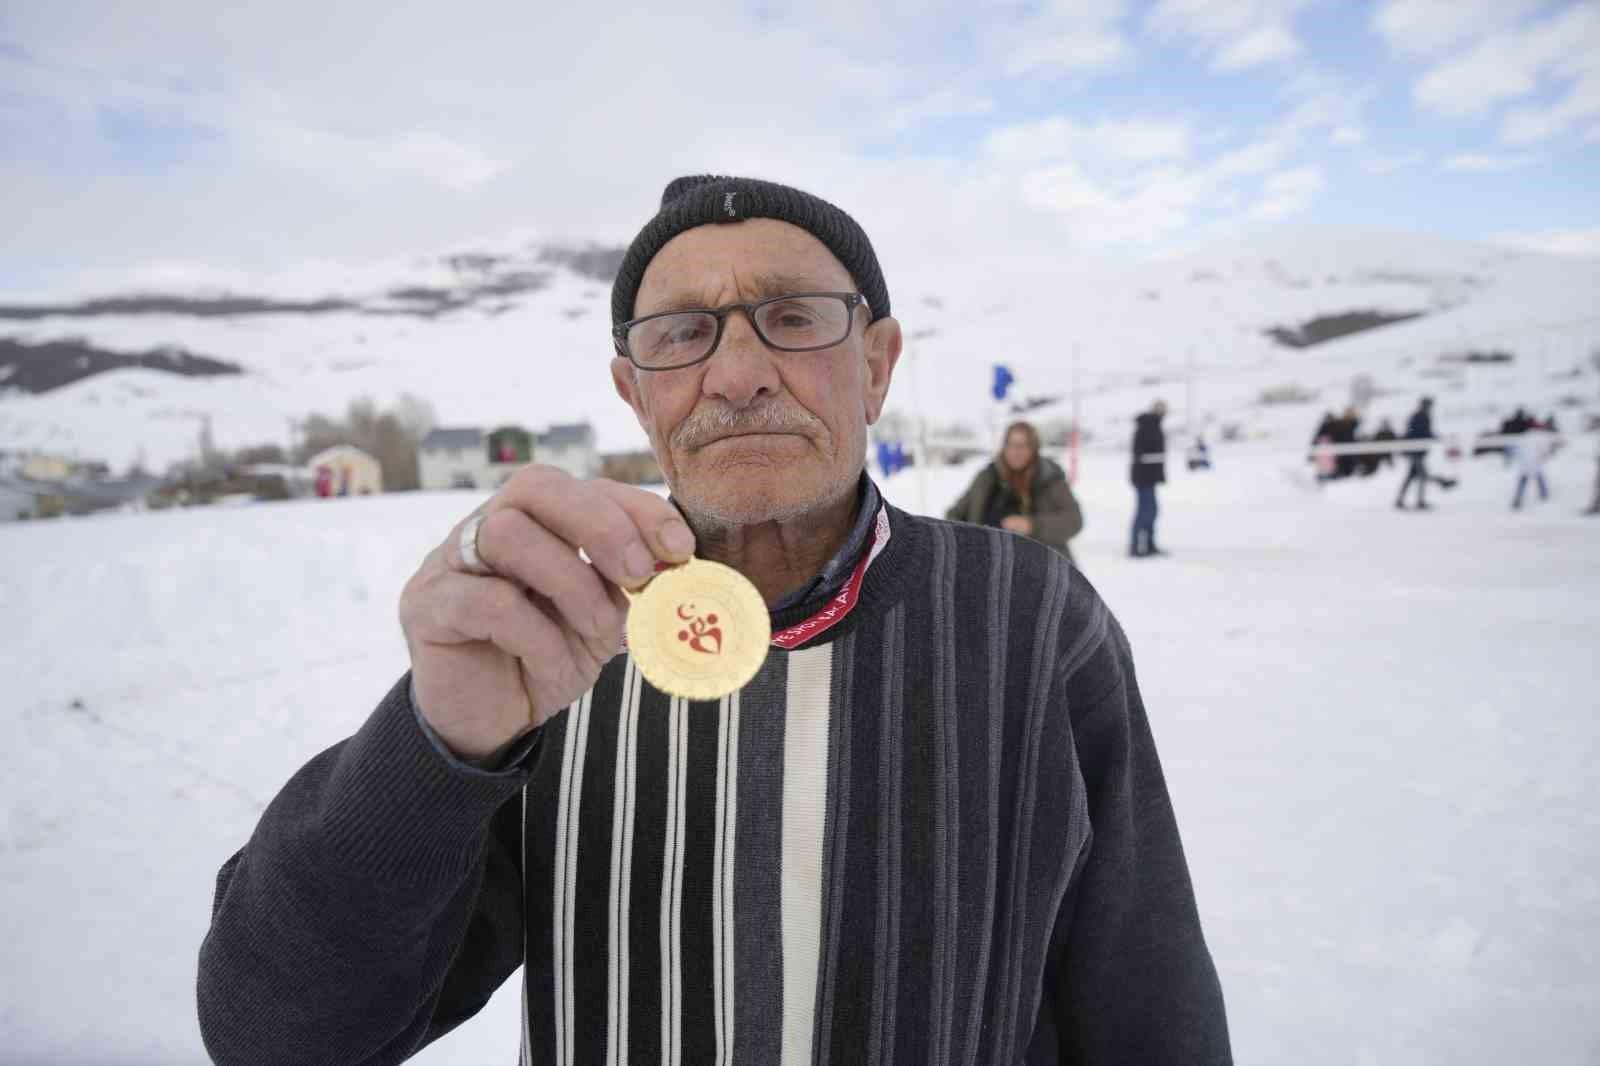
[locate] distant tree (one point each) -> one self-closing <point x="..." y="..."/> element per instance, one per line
<point x="391" y="436"/>
<point x="416" y="415"/>
<point x="208" y="445"/>
<point x="259" y="453"/>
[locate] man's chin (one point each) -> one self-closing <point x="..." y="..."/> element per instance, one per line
<point x="749" y="495"/>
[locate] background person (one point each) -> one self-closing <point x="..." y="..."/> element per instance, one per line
<point x="1149" y="470"/>
<point x="1536" y="444"/>
<point x="1024" y="492"/>
<point x="1420" y="427"/>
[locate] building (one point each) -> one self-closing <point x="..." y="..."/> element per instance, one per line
<point x="41" y="467"/>
<point x="469" y="458"/>
<point x="344" y="470"/>
<point x="569" y="447"/>
<point x="453" y="459"/>
<point x="22" y="498"/>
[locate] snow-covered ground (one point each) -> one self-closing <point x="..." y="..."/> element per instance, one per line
<point x="1380" y="730"/>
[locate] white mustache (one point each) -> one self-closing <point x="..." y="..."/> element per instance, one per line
<point x="706" y="424"/>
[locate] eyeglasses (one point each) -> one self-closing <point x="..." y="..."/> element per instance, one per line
<point x="802" y="322"/>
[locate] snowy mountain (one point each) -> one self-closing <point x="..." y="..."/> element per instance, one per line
<point x="520" y="334"/>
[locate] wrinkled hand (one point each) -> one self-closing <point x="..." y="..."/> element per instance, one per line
<point x="1018" y="524"/>
<point x="495" y="656"/>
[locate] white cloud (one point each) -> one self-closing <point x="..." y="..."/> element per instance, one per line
<point x="1530" y="124"/>
<point x="1238" y="34"/>
<point x="1061" y="37"/>
<point x="1482" y="163"/>
<point x="1133" y="140"/>
<point x="947" y="102"/>
<point x="1153" y="206"/>
<point x="1573" y="242"/>
<point x="1288" y="192"/>
<point x="1421" y="27"/>
<point x="393" y="128"/>
<point x="1389" y="164"/>
<point x="1265" y="44"/>
<point x="1345" y="136"/>
<point x="353" y="161"/>
<point x="1256" y="157"/>
<point x="1560" y="53"/>
<point x="1068" y="52"/>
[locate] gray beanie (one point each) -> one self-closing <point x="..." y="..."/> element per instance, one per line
<point x="702" y="199"/>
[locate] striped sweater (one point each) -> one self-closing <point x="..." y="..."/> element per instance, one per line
<point x="938" y="834"/>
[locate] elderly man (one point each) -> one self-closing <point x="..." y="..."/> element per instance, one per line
<point x="932" y="828"/>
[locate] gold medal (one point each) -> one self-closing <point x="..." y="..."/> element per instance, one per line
<point x="699" y="631"/>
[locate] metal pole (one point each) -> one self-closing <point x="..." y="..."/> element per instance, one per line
<point x="922" y="434"/>
<point x="1189" y="419"/>
<point x="1077" y="417"/>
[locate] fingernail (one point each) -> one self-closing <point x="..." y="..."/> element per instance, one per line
<point x="638" y="561"/>
<point x="675" y="537"/>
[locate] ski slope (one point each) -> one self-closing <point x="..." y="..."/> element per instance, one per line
<point x="1379" y="730"/>
<point x="1118" y="334"/>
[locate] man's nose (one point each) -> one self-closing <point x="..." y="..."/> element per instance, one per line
<point x="741" y="370"/>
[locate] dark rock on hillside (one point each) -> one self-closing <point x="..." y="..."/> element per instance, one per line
<point x="1325" y="328"/>
<point x="47" y="365"/>
<point x="195" y="306"/>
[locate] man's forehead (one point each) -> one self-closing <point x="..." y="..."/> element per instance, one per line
<point x="761" y="257"/>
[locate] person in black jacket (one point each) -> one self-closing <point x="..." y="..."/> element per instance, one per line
<point x="1149" y="470"/>
<point x="1344" y="431"/>
<point x="1375" y="461"/>
<point x="1420" y="427"/>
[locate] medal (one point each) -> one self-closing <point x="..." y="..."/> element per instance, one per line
<point x="699" y="631"/>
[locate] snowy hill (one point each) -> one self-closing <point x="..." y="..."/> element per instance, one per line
<point x="521" y="335"/>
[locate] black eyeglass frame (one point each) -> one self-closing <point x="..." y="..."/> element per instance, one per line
<point x="619" y="332"/>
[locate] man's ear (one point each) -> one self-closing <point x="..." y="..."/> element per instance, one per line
<point x="883" y="352"/>
<point x="625" y="377"/>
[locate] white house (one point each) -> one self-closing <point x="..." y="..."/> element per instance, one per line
<point x="474" y="459"/>
<point x="344" y="470"/>
<point x="454" y="459"/>
<point x="570" y="447"/>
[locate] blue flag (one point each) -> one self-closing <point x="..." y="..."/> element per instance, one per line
<point x="892" y="457"/>
<point x="1003" y="380"/>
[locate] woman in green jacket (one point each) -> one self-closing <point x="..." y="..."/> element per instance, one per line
<point x="1023" y="492"/>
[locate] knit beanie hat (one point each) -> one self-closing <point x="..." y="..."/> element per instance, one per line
<point x="702" y="199"/>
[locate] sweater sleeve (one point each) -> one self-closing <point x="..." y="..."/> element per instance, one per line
<point x="376" y="906"/>
<point x="1133" y="979"/>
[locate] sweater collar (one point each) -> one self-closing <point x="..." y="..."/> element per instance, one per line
<point x="836" y="571"/>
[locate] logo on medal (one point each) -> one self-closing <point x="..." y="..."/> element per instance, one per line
<point x="702" y="634"/>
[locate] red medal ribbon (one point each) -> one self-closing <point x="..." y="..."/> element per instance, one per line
<point x="843" y="602"/>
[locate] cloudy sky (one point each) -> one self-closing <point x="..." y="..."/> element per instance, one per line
<point x="172" y="141"/>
